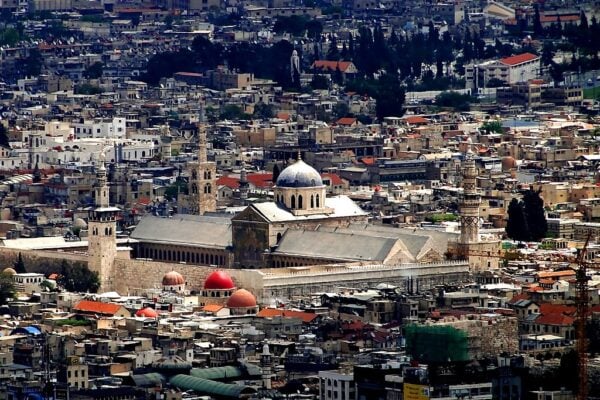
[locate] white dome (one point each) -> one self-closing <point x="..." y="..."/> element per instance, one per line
<point x="299" y="175"/>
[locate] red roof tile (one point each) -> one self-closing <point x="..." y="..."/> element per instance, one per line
<point x="416" y="120"/>
<point x="555" y="319"/>
<point x="97" y="307"/>
<point x="275" y="312"/>
<point x="549" y="308"/>
<point x="335" y="179"/>
<point x="332" y="65"/>
<point x="518" y="59"/>
<point x="346" y="121"/>
<point x="554" y="18"/>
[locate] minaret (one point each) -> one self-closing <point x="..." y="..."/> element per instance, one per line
<point x="470" y="200"/>
<point x="294" y="64"/>
<point x="244" y="186"/>
<point x="203" y="180"/>
<point x="266" y="365"/>
<point x="102" y="226"/>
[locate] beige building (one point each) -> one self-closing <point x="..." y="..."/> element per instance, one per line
<point x="223" y="79"/>
<point x="255" y="136"/>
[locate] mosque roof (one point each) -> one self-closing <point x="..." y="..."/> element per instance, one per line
<point x="335" y="245"/>
<point x="214" y="232"/>
<point x="342" y="206"/>
<point x="299" y="175"/>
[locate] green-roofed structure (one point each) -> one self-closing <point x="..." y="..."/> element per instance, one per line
<point x="227" y="372"/>
<point x="215" y="389"/>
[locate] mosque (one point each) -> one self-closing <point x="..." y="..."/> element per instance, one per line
<point x="300" y="243"/>
<point x="302" y="226"/>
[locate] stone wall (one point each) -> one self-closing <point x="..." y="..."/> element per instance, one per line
<point x="38" y="260"/>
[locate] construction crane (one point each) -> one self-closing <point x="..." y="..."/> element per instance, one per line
<point x="583" y="308"/>
<point x="581" y="302"/>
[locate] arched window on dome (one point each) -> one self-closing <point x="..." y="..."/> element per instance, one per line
<point x="300" y="201"/>
<point x="293" y="201"/>
<point x="318" y="202"/>
<point x="312" y="201"/>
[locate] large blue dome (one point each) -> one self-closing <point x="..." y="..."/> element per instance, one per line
<point x="299" y="175"/>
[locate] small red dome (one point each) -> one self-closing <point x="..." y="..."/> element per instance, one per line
<point x="241" y="298"/>
<point x="147" y="312"/>
<point x="173" y="278"/>
<point x="218" y="280"/>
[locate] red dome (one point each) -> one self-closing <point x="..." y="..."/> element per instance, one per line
<point x="173" y="278"/>
<point x="219" y="280"/>
<point x="241" y="298"/>
<point x="147" y="312"/>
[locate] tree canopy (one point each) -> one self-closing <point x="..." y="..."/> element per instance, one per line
<point x="78" y="278"/>
<point x="527" y="218"/>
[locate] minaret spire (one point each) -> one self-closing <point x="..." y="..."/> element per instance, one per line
<point x="470" y="200"/>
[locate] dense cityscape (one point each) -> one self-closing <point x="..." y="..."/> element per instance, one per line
<point x="299" y="199"/>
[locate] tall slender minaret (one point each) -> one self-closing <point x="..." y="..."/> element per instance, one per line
<point x="470" y="200"/>
<point x="244" y="186"/>
<point x="266" y="365"/>
<point x="102" y="227"/>
<point x="203" y="180"/>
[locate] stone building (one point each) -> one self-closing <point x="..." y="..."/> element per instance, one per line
<point x="202" y="187"/>
<point x="102" y="230"/>
<point x="300" y="203"/>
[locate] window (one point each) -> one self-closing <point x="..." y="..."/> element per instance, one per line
<point x="299" y="201"/>
<point x="293" y="201"/>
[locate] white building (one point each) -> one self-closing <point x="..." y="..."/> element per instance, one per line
<point x="518" y="68"/>
<point x="336" y="386"/>
<point x="100" y="128"/>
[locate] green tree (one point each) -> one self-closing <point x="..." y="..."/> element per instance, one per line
<point x="7" y="287"/>
<point x="319" y="82"/>
<point x="341" y="110"/>
<point x="4" y="140"/>
<point x="492" y="127"/>
<point x="516" y="226"/>
<point x="276" y="172"/>
<point x="458" y="101"/>
<point x="534" y="213"/>
<point x="94" y="71"/>
<point x="86" y="88"/>
<point x="233" y="112"/>
<point x="19" y="265"/>
<point x="263" y="111"/>
<point x="33" y="63"/>
<point x="389" y="99"/>
<point x="78" y="278"/>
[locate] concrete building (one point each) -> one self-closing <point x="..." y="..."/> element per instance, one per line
<point x="334" y="385"/>
<point x="518" y="68"/>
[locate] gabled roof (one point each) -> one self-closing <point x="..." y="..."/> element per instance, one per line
<point x="260" y="181"/>
<point x="555" y="319"/>
<point x="191" y="230"/>
<point x="276" y="312"/>
<point x="336" y="245"/>
<point x="518" y="59"/>
<point x="549" y="308"/>
<point x="212" y="308"/>
<point x="416" y="120"/>
<point x="97" y="307"/>
<point x="346" y="121"/>
<point x="335" y="178"/>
